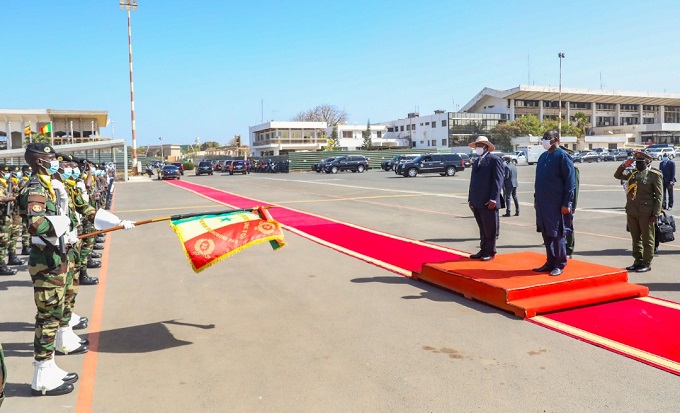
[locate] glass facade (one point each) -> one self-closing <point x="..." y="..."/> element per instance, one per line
<point x="465" y="127"/>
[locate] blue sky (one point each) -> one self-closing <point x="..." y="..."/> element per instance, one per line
<point x="211" y="69"/>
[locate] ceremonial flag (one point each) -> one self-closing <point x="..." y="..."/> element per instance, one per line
<point x="27" y="130"/>
<point x="46" y="129"/>
<point x="209" y="238"/>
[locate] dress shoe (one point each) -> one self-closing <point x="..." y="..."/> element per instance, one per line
<point x="555" y="272"/>
<point x="82" y="325"/>
<point x="95" y="255"/>
<point x="25" y="251"/>
<point x="476" y="256"/>
<point x="79" y="350"/>
<point x="543" y="268"/>
<point x="517" y="213"/>
<point x="5" y="270"/>
<point x="87" y="280"/>
<point x="99" y="240"/>
<point x="98" y="247"/>
<point x="569" y="256"/>
<point x="487" y="258"/>
<point x="13" y="260"/>
<point x="506" y="214"/>
<point x="633" y="267"/>
<point x="93" y="264"/>
<point x="643" y="268"/>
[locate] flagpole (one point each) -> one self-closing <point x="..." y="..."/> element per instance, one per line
<point x="52" y="133"/>
<point x="168" y="218"/>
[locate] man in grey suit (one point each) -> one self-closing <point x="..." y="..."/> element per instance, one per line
<point x="510" y="186"/>
<point x="484" y="197"/>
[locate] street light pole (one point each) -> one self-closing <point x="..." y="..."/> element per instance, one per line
<point x="559" y="123"/>
<point x="162" y="157"/>
<point x="127" y="5"/>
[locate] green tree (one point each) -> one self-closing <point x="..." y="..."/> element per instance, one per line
<point x="332" y="143"/>
<point x="366" y="135"/>
<point x="529" y="126"/>
<point x="209" y="144"/>
<point x="567" y="128"/>
<point x="503" y="134"/>
<point x="38" y="137"/>
<point x="581" y="123"/>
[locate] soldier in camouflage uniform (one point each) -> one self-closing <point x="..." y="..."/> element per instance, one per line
<point x="15" y="223"/>
<point x="88" y="244"/>
<point x="644" y="193"/>
<point x="26" y="173"/>
<point x="48" y="267"/>
<point x="6" y="199"/>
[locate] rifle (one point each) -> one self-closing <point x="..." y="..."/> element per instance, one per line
<point x="10" y="204"/>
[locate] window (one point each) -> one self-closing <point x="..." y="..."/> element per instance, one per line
<point x="629" y="121"/>
<point x="427" y="123"/>
<point x="434" y="143"/>
<point x="347" y="134"/>
<point x="649" y="107"/>
<point x="444" y="123"/>
<point x="443" y="142"/>
<point x="434" y="124"/>
<point x="630" y="108"/>
<point x="579" y="105"/>
<point x="408" y="127"/>
<point x="379" y="134"/>
<point x="402" y="128"/>
<point x="606" y="106"/>
<point x="647" y="121"/>
<point x="413" y="127"/>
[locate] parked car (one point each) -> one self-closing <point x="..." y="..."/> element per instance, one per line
<point x="354" y="163"/>
<point x="170" y="172"/>
<point x="389" y="164"/>
<point x="319" y="166"/>
<point x="226" y="166"/>
<point x="204" y="167"/>
<point x="466" y="159"/>
<point x="238" y="167"/>
<point x="217" y="166"/>
<point x="405" y="158"/>
<point x="619" y="155"/>
<point x="445" y="164"/>
<point x="587" y="156"/>
<point x="516" y="157"/>
<point x="180" y="165"/>
<point x="658" y="153"/>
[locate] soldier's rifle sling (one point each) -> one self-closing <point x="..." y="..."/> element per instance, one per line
<point x="10" y="204"/>
<point x="172" y="217"/>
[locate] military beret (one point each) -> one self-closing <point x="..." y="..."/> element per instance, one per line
<point x="64" y="157"/>
<point x="643" y="156"/>
<point x="4" y="168"/>
<point x="25" y="168"/>
<point x="14" y="168"/>
<point x="39" y="147"/>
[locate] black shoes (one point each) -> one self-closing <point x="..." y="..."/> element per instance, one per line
<point x="487" y="258"/>
<point x="476" y="256"/>
<point x="5" y="270"/>
<point x="25" y="251"/>
<point x="98" y="247"/>
<point x="93" y="264"/>
<point x="13" y="260"/>
<point x="99" y="240"/>
<point x="555" y="272"/>
<point x="517" y="213"/>
<point x="634" y="267"/>
<point x="57" y="391"/>
<point x="95" y="255"/>
<point x="544" y="268"/>
<point x="82" y="324"/>
<point x="643" y="268"/>
<point x="507" y="214"/>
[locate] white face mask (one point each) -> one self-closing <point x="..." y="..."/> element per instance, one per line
<point x="479" y="151"/>
<point x="546" y="143"/>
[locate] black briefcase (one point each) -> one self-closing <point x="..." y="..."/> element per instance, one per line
<point x="665" y="227"/>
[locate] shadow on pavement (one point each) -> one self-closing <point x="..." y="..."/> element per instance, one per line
<point x="5" y="285"/>
<point x="141" y="339"/>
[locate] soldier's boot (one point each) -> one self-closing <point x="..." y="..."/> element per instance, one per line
<point x="68" y="342"/>
<point x="86" y="279"/>
<point x="5" y="270"/>
<point x="25" y="250"/>
<point x="95" y="255"/>
<point x="92" y="263"/>
<point x="77" y="322"/>
<point x="48" y="379"/>
<point x="98" y="247"/>
<point x="99" y="240"/>
<point x="13" y="260"/>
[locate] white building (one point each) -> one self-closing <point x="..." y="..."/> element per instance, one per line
<point x="640" y="117"/>
<point x="278" y="138"/>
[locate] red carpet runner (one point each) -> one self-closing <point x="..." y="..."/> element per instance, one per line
<point x="642" y="329"/>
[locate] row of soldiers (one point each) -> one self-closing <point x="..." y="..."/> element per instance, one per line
<point x="48" y="204"/>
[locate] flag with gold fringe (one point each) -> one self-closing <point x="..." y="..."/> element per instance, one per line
<point x="209" y="238"/>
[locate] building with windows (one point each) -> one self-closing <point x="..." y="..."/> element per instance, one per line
<point x="280" y="137"/>
<point x="636" y="117"/>
<point x="63" y="126"/>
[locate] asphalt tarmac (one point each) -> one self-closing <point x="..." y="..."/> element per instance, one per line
<point x="308" y="329"/>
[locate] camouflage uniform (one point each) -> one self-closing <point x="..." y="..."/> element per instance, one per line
<point x="644" y="193"/>
<point x="47" y="265"/>
<point x="5" y="222"/>
<point x="25" y="236"/>
<point x="15" y="221"/>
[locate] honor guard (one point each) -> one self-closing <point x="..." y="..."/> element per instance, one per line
<point x="644" y="193"/>
<point x="26" y="173"/>
<point x="15" y="219"/>
<point x="7" y="200"/>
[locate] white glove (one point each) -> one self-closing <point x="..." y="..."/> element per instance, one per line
<point x="72" y="237"/>
<point x="127" y="224"/>
<point x="60" y="223"/>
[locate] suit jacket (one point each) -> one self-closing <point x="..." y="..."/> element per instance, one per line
<point x="486" y="181"/>
<point x="510" y="175"/>
<point x="668" y="170"/>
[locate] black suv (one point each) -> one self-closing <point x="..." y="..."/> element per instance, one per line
<point x="445" y="164"/>
<point x="354" y="163"/>
<point x="318" y="167"/>
<point x="389" y="165"/>
<point x="204" y="167"/>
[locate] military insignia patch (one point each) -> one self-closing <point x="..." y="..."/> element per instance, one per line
<point x="47" y="149"/>
<point x="36" y="208"/>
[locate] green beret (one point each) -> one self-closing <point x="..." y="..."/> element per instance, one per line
<point x="39" y="148"/>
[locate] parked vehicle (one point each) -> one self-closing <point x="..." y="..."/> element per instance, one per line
<point x="445" y="164"/>
<point x="389" y="164"/>
<point x="226" y="166"/>
<point x="658" y="153"/>
<point x="587" y="156"/>
<point x="466" y="159"/>
<point x="170" y="172"/>
<point x="204" y="167"/>
<point x="354" y="163"/>
<point x="319" y="166"/>
<point x="619" y="155"/>
<point x="405" y="158"/>
<point x="517" y="157"/>
<point x="533" y="152"/>
<point x="180" y="165"/>
<point x="237" y="167"/>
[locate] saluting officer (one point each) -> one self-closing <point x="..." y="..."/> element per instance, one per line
<point x="644" y="193"/>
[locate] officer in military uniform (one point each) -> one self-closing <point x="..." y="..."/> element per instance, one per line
<point x="6" y="201"/>
<point x="26" y="173"/>
<point x="48" y="224"/>
<point x="15" y="219"/>
<point x="644" y="193"/>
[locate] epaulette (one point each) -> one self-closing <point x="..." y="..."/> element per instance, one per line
<point x="656" y="171"/>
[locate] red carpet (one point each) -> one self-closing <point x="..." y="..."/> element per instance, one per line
<point x="643" y="329"/>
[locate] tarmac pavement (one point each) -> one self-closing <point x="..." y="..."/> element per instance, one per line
<point x="308" y="329"/>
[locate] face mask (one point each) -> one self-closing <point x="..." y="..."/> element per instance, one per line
<point x="546" y="143"/>
<point x="68" y="172"/>
<point x="665" y="158"/>
<point x="6" y="176"/>
<point x="479" y="151"/>
<point x="19" y="175"/>
<point x="76" y="173"/>
<point x="54" y="167"/>
<point x="640" y="165"/>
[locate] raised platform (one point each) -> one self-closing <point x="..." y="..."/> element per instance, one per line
<point x="508" y="283"/>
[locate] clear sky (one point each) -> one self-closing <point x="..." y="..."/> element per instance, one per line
<point x="211" y="69"/>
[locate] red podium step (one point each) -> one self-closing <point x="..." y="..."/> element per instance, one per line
<point x="508" y="283"/>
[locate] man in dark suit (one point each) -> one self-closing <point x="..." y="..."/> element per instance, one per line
<point x="484" y="197"/>
<point x="510" y="187"/>
<point x="667" y="168"/>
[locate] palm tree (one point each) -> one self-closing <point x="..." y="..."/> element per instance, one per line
<point x="581" y="123"/>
